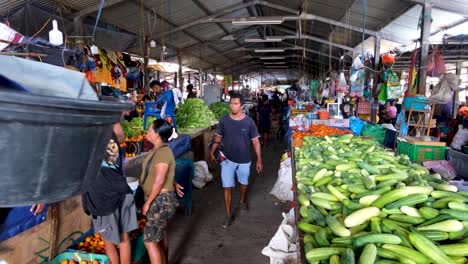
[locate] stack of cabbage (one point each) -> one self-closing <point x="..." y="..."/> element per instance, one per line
<point x="194" y="113"/>
<point x="361" y="203"/>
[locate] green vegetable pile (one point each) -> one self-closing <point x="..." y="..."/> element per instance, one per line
<point x="135" y="127"/>
<point x="220" y="109"/>
<point x="194" y="113"/>
<point x="360" y="203"/>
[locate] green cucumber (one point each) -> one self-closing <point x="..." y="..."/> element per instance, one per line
<point x="408" y="201"/>
<point x="435" y="235"/>
<point x="407" y="219"/>
<point x="336" y="227"/>
<point x="428" y="213"/>
<point x="376" y="239"/>
<point x="368" y="255"/>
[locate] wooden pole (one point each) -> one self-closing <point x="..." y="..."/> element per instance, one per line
<point x="425" y="34"/>
<point x="375" y="104"/>
<point x="455" y="93"/>
<point x="53" y="230"/>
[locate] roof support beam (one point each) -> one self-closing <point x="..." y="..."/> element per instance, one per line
<point x="305" y="36"/>
<point x="445" y="6"/>
<point x="146" y="8"/>
<point x="95" y="8"/>
<point x="208" y="19"/>
<point x="208" y="12"/>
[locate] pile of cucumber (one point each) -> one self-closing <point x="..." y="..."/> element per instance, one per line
<point x="360" y="203"/>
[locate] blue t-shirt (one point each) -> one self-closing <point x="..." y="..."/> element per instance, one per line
<point x="237" y="136"/>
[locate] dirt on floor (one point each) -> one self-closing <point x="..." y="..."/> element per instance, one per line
<point x="200" y="238"/>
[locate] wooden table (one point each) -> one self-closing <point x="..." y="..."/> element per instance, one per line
<point x="201" y="137"/>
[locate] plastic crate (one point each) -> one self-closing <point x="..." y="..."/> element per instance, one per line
<point x="379" y="136"/>
<point x="420" y="153"/>
<point x="460" y="162"/>
<point x="103" y="259"/>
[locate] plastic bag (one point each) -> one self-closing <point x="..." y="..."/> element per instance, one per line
<point x="435" y="64"/>
<point x="341" y="88"/>
<point x="201" y="174"/>
<point x="282" y="248"/>
<point x="394" y="88"/>
<point x="356" y="125"/>
<point x="443" y="167"/>
<point x="460" y="139"/>
<point x="382" y="96"/>
<point x="357" y="63"/>
<point x="443" y="91"/>
<point x="283" y="186"/>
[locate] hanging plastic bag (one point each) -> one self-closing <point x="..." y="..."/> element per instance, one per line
<point x="357" y="83"/>
<point x="388" y="58"/>
<point x="341" y="88"/>
<point x="435" y="64"/>
<point x="357" y="63"/>
<point x="443" y="91"/>
<point x="394" y="88"/>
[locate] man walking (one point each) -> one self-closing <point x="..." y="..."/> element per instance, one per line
<point x="236" y="132"/>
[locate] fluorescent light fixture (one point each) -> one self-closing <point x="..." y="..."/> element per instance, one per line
<point x="269" y="50"/>
<point x="267" y="39"/>
<point x="276" y="67"/>
<point x="257" y="21"/>
<point x="273" y="63"/>
<point x="272" y="58"/>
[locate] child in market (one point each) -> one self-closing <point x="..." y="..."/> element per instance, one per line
<point x="109" y="201"/>
<point x="392" y="112"/>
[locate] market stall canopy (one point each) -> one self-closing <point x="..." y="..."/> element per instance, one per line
<point x="235" y="36"/>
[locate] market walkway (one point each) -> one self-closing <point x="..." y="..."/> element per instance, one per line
<point x="201" y="239"/>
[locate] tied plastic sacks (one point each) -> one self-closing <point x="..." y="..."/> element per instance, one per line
<point x="282" y="248"/>
<point x="283" y="186"/>
<point x="356" y="125"/>
<point x="388" y="58"/>
<point x="460" y="139"/>
<point x="201" y="174"/>
<point x="443" y="167"/>
<point x="443" y="91"/>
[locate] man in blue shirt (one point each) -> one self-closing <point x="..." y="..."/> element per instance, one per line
<point x="236" y="132"/>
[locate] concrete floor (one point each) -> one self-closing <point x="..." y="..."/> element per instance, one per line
<point x="200" y="238"/>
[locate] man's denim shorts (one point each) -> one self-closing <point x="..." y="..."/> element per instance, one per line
<point x="230" y="169"/>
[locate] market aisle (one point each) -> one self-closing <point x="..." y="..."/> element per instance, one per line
<point x="201" y="239"/>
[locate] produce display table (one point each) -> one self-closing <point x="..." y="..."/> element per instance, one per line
<point x="200" y="139"/>
<point x="350" y="192"/>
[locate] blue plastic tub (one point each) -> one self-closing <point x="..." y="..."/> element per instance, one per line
<point x="418" y="102"/>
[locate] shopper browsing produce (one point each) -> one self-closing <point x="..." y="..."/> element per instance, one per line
<point x="109" y="200"/>
<point x="236" y="132"/>
<point x="157" y="180"/>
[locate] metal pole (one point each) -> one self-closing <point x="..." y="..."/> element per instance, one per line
<point x="375" y="104"/>
<point x="146" y="50"/>
<point x="330" y="46"/>
<point x="455" y="93"/>
<point x="181" y="76"/>
<point x="425" y="34"/>
<point x="158" y="75"/>
<point x="175" y="79"/>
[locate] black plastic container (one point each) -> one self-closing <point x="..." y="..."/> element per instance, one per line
<point x="50" y="145"/>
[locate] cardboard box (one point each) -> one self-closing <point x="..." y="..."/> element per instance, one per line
<point x="320" y="122"/>
<point x="339" y="123"/>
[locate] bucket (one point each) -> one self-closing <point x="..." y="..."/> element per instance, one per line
<point x="322" y="115"/>
<point x="49" y="145"/>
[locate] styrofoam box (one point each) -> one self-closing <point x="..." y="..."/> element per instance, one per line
<point x="339" y="122"/>
<point x="320" y="122"/>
